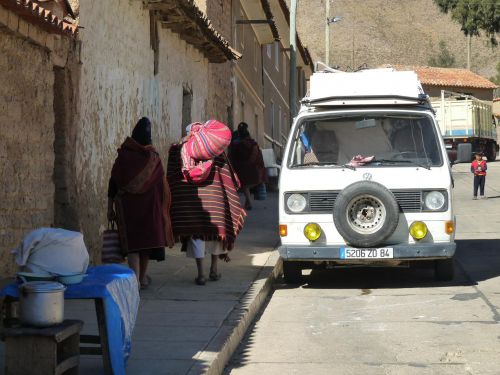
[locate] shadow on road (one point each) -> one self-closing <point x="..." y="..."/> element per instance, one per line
<point x="475" y="261"/>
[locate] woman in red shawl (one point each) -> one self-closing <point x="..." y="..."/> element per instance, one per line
<point x="139" y="192"/>
<point x="246" y="157"/>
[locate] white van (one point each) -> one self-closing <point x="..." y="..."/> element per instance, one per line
<point x="365" y="178"/>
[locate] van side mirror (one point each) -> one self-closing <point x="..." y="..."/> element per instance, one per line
<point x="464" y="153"/>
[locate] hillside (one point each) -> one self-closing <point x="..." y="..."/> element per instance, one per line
<point x="379" y="32"/>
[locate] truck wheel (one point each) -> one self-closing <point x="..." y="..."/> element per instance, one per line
<point x="292" y="272"/>
<point x="365" y="213"/>
<point x="444" y="269"/>
<point x="492" y="152"/>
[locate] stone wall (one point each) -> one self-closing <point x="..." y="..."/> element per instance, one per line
<point x="26" y="142"/>
<point x="117" y="87"/>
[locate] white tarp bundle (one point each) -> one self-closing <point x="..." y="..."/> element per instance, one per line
<point x="52" y="251"/>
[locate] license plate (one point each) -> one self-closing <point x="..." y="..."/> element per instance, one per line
<point x="449" y="147"/>
<point x="379" y="253"/>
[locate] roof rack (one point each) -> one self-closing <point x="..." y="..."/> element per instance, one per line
<point x="366" y="87"/>
<point x="422" y="99"/>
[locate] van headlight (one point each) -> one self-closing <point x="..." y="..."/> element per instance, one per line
<point x="296" y="203"/>
<point x="434" y="201"/>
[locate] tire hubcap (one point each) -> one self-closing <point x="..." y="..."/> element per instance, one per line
<point x="366" y="214"/>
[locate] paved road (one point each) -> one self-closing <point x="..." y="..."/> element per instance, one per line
<point x="391" y="321"/>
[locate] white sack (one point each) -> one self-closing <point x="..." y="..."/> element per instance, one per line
<point x="53" y="251"/>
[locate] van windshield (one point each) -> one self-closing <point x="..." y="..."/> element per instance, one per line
<point x="387" y="140"/>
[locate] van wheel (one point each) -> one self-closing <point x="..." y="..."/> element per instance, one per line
<point x="365" y="213"/>
<point x="292" y="272"/>
<point x="444" y="269"/>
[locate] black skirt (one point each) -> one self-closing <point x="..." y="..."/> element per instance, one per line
<point x="156" y="253"/>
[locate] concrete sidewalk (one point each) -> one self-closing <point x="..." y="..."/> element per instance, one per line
<point x="183" y="328"/>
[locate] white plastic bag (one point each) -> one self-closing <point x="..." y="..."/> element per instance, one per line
<point x="52" y="251"/>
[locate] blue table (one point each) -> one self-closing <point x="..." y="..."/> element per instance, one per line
<point x="115" y="292"/>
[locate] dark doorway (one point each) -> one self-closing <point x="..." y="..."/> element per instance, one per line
<point x="187" y="102"/>
<point x="65" y="214"/>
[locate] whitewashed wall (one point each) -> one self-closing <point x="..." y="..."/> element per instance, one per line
<point x="117" y="87"/>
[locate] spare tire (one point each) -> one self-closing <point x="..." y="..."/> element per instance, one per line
<point x="365" y="214"/>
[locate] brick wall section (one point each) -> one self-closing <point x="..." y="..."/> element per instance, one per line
<point x="26" y="144"/>
<point x="219" y="86"/>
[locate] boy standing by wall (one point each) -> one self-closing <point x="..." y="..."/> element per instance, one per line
<point x="479" y="167"/>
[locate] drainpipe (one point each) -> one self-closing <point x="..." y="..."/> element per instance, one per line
<point x="293" y="60"/>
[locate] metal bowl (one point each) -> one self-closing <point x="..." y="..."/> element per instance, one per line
<point x="71" y="279"/>
<point x="30" y="276"/>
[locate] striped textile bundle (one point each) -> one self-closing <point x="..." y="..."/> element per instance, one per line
<point x="203" y="143"/>
<point x="111" y="248"/>
<point x="210" y="211"/>
<point x="207" y="141"/>
<point x="195" y="171"/>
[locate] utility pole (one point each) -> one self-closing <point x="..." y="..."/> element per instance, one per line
<point x="352" y="48"/>
<point x="327" y="33"/>
<point x="293" y="59"/>
<point x="468" y="50"/>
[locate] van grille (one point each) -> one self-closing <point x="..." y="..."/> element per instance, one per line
<point x="408" y="200"/>
<point x="322" y="201"/>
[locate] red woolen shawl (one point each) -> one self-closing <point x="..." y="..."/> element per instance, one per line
<point x="143" y="200"/>
<point x="211" y="210"/>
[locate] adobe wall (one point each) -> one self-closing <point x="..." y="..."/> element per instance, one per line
<point x="117" y="87"/>
<point x="26" y="142"/>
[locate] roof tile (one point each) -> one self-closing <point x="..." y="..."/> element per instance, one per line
<point x="452" y="77"/>
<point x="186" y="19"/>
<point x="35" y="14"/>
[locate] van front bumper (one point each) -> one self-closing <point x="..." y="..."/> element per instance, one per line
<point x="400" y="252"/>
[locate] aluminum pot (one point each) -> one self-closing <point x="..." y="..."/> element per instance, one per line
<point x="41" y="303"/>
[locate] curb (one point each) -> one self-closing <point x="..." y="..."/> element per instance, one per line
<point x="220" y="349"/>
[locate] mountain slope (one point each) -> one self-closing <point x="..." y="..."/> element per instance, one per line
<point x="378" y="32"/>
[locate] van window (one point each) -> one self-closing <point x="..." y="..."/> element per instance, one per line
<point x="393" y="140"/>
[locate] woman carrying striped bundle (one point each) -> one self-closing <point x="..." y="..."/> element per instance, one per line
<point x="206" y="212"/>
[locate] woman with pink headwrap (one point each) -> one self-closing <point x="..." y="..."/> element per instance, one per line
<point x="206" y="212"/>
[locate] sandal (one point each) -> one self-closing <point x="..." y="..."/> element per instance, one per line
<point x="146" y="285"/>
<point x="199" y="280"/>
<point x="214" y="276"/>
